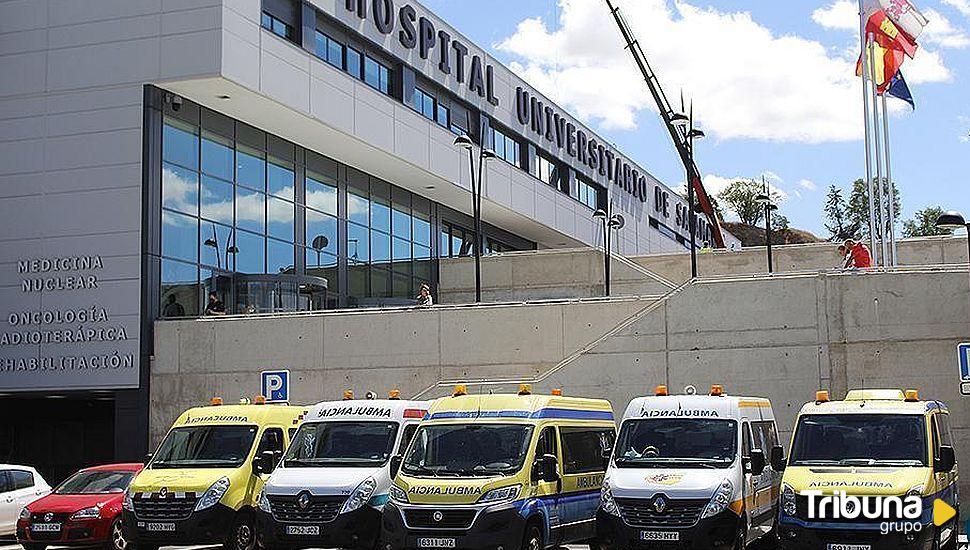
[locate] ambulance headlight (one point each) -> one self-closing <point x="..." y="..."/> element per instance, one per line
<point x="606" y="499"/>
<point x="360" y="496"/>
<point x="502" y="494"/>
<point x="128" y="504"/>
<point x="264" y="502"/>
<point x="916" y="491"/>
<point x="398" y="495"/>
<point x="788" y="505"/>
<point x="720" y="501"/>
<point x="213" y="494"/>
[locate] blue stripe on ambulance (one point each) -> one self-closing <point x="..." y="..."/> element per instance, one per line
<point x="573" y="507"/>
<point x="570" y="414"/>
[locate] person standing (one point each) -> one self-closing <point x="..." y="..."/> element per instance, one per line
<point x="215" y="305"/>
<point x="424" y="296"/>
<point x="173" y="308"/>
<point x="860" y="256"/>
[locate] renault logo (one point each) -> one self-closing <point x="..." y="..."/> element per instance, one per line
<point x="48" y="516"/>
<point x="660" y="504"/>
<point x="437" y="516"/>
<point x="303" y="500"/>
<point x="163" y="492"/>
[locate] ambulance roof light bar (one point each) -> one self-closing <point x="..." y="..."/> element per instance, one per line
<point x="348" y="395"/>
<point x="525" y="389"/>
<point x="912" y="396"/>
<point x="460" y="390"/>
<point x="215" y="401"/>
<point x="557" y="392"/>
<point x="259" y="400"/>
<point x="394" y="395"/>
<point x="661" y="391"/>
<point x="822" y="396"/>
<point x="717" y="390"/>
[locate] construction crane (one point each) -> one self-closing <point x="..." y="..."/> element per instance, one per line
<point x="678" y="135"/>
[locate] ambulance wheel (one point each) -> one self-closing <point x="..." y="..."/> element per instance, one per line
<point x="243" y="534"/>
<point x="533" y="537"/>
<point x="117" y="540"/>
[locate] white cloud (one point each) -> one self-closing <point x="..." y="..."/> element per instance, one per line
<point x="808" y="185"/>
<point x="841" y="15"/>
<point x="747" y="81"/>
<point x="941" y="32"/>
<point x="927" y="67"/>
<point x="963" y="6"/>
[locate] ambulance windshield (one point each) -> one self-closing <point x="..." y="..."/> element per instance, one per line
<point x="341" y="444"/>
<point x="860" y="440"/>
<point x="684" y="442"/>
<point x="468" y="450"/>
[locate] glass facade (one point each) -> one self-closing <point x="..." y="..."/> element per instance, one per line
<point x="269" y="226"/>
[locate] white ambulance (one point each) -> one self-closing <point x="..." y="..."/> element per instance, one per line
<point x="691" y="471"/>
<point x="330" y="488"/>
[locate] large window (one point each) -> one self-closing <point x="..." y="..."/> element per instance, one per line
<point x="329" y="50"/>
<point x="377" y="75"/>
<point x="547" y="170"/>
<point x="586" y="193"/>
<point x="505" y="147"/>
<point x="424" y="103"/>
<point x="278" y="26"/>
<point x="582" y="449"/>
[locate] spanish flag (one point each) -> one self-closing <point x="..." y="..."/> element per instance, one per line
<point x="889" y="48"/>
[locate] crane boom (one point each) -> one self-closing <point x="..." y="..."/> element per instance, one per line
<point x="678" y="136"/>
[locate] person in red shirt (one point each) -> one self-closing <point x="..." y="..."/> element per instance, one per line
<point x="859" y="252"/>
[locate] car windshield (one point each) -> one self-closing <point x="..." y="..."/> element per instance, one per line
<point x="684" y="442"/>
<point x="860" y="440"/>
<point x="205" y="447"/>
<point x="95" y="483"/>
<point x="468" y="450"/>
<point x="323" y="444"/>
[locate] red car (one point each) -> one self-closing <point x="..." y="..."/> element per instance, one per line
<point x="84" y="510"/>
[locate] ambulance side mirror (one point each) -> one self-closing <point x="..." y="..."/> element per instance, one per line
<point x="778" y="458"/>
<point x="756" y="462"/>
<point x="945" y="460"/>
<point x="546" y="468"/>
<point x="607" y="454"/>
<point x="395" y="465"/>
<point x="264" y="463"/>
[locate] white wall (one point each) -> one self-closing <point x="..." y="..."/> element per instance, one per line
<point x="70" y="160"/>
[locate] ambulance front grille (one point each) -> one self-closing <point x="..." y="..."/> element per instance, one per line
<point x="317" y="509"/>
<point x="676" y="514"/>
<point x="163" y="509"/>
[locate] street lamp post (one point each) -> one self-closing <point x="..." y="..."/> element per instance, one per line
<point x="954" y="220"/>
<point x="765" y="199"/>
<point x="686" y="123"/>
<point x="609" y="221"/>
<point x="464" y="142"/>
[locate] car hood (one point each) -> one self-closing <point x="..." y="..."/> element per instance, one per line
<point x="318" y="481"/>
<point x="858" y="481"/>
<point x="680" y="483"/>
<point x="73" y="503"/>
<point x="185" y="480"/>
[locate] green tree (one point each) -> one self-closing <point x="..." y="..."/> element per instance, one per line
<point x="923" y="223"/>
<point x="859" y="206"/>
<point x="838" y="216"/>
<point x="741" y="198"/>
<point x="779" y="222"/>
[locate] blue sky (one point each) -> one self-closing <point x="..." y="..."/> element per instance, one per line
<point x="771" y="81"/>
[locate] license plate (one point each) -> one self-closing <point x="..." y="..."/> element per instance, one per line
<point x="849" y="547"/>
<point x="662" y="536"/>
<point x="46" y="527"/>
<point x="165" y="527"/>
<point x="436" y="543"/>
<point x="303" y="530"/>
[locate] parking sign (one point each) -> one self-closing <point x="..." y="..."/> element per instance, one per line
<point x="963" y="353"/>
<point x="275" y="385"/>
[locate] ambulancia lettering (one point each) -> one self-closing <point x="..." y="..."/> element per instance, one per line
<point x="355" y="411"/>
<point x="695" y="413"/>
<point x="217" y="418"/>
<point x="862" y="484"/>
<point x="432" y="490"/>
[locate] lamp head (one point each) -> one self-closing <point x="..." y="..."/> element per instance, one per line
<point x="600" y="214"/>
<point x="617" y="221"/>
<point x="487" y="154"/>
<point x="951" y="220"/>
<point x="695" y="134"/>
<point x="763" y="198"/>
<point x="463" y="142"/>
<point x="679" y="120"/>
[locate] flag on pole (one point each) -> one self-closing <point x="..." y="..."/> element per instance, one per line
<point x="888" y="34"/>
<point x="901" y="12"/>
<point x="900" y="90"/>
<point x="886" y="63"/>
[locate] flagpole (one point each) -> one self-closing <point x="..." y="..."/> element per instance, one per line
<point x="880" y="205"/>
<point x="889" y="177"/>
<point x="865" y="117"/>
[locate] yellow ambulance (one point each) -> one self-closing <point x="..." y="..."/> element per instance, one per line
<point x="501" y="472"/>
<point x="201" y="485"/>
<point x="876" y="470"/>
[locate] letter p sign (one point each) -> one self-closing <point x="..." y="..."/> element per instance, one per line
<point x="275" y="385"/>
